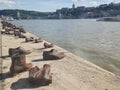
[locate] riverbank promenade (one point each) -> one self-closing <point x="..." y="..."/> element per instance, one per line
<point x="68" y="73"/>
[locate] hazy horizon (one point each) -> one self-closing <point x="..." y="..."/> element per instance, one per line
<point x="50" y="5"/>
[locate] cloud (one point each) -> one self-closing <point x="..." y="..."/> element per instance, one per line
<point x="90" y="3"/>
<point x="53" y="5"/>
<point x="94" y="3"/>
<point x="76" y="0"/>
<point x="7" y="2"/>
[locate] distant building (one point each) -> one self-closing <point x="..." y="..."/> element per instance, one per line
<point x="73" y="6"/>
<point x="81" y="8"/>
<point x="64" y="11"/>
<point x="58" y="11"/>
<point x="103" y="5"/>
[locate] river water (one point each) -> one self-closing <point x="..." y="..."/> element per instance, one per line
<point x="97" y="42"/>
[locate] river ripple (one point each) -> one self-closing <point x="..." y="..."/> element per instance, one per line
<point x="97" y="42"/>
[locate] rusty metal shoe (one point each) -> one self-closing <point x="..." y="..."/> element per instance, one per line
<point x="41" y="76"/>
<point x="37" y="40"/>
<point x="19" y="64"/>
<point x="29" y="39"/>
<point x="19" y="50"/>
<point x="48" y="45"/>
<point x="53" y="55"/>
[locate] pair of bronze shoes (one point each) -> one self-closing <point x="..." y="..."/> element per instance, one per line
<point x="18" y="60"/>
<point x="19" y="50"/>
<point x="41" y="76"/>
<point x="48" y="45"/>
<point x="36" y="40"/>
<point x="37" y="75"/>
<point x="19" y="64"/>
<point x="53" y="54"/>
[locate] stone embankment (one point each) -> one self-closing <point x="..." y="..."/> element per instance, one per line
<point x="68" y="73"/>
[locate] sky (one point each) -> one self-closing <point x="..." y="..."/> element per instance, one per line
<point x="50" y="5"/>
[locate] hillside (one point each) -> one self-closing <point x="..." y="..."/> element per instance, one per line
<point x="104" y="10"/>
<point x="24" y="14"/>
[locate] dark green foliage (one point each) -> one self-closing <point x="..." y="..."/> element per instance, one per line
<point x="24" y="14"/>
